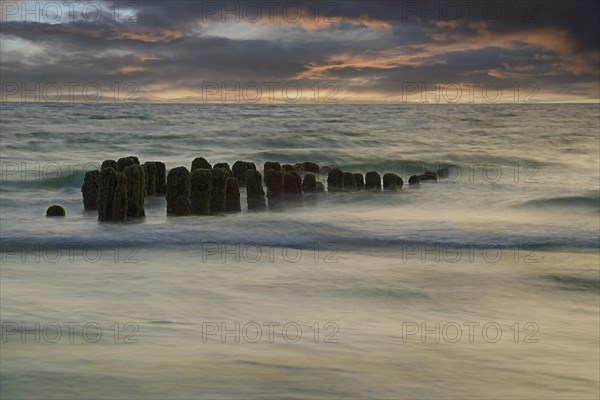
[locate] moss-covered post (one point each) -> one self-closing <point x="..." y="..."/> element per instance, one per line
<point x="200" y="163"/>
<point x="106" y="193"/>
<point x="349" y="182"/>
<point x="219" y="190"/>
<point x="136" y="190"/>
<point x="55" y="211"/>
<point x="309" y="184"/>
<point x="232" y="197"/>
<point x="290" y="168"/>
<point x="292" y="184"/>
<point x="414" y="181"/>
<point x="89" y="190"/>
<point x="224" y="166"/>
<point x="372" y="181"/>
<point x="109" y="164"/>
<point x="150" y="168"/>
<point x="335" y="180"/>
<point x="178" y="191"/>
<point x="311" y="167"/>
<point x="125" y="162"/>
<point x="201" y="189"/>
<point x="239" y="171"/>
<point x="271" y="165"/>
<point x="360" y="181"/>
<point x="254" y="190"/>
<point x="161" y="178"/>
<point x="120" y="199"/>
<point x="274" y="183"/>
<point x="392" y="182"/>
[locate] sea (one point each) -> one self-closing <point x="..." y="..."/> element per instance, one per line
<point x="483" y="285"/>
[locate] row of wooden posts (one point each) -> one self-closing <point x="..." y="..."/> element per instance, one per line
<point x="118" y="190"/>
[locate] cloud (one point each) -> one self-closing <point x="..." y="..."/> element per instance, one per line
<point x="369" y="49"/>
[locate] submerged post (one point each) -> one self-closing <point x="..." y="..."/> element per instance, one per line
<point x="239" y="171"/>
<point x="232" y="197"/>
<point x="254" y="190"/>
<point x="309" y="184"/>
<point x="200" y="163"/>
<point x="219" y="190"/>
<point x="372" y="181"/>
<point x="392" y="182"/>
<point x="201" y="190"/>
<point x="274" y="182"/>
<point x="349" y="182"/>
<point x="89" y="190"/>
<point x="120" y="199"/>
<point x="335" y="180"/>
<point x="360" y="181"/>
<point x="292" y="184"/>
<point x="106" y="191"/>
<point x="178" y="191"/>
<point x="150" y="168"/>
<point x="136" y="190"/>
<point x="161" y="177"/>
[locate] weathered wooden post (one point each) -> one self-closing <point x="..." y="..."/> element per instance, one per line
<point x="372" y="181"/>
<point x="292" y="184"/>
<point x="254" y="190"/>
<point x="150" y="168"/>
<point x="89" y="190"/>
<point x="349" y="182"/>
<point x="232" y="197"/>
<point x="360" y="181"/>
<point x="178" y="191"/>
<point x="309" y="184"/>
<point x="219" y="190"/>
<point x="335" y="180"/>
<point x="136" y="190"/>
<point x="200" y="191"/>
<point x="392" y="182"/>
<point x="200" y="162"/>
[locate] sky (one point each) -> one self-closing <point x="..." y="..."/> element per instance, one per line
<point x="300" y="51"/>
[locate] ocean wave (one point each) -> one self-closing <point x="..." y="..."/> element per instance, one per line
<point x="54" y="178"/>
<point x="295" y="235"/>
<point x="589" y="200"/>
<point x="568" y="282"/>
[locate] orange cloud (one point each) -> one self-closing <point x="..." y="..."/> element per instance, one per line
<point x="549" y="39"/>
<point x="310" y="24"/>
<point x="161" y="35"/>
<point x="555" y="40"/>
<point x="387" y="59"/>
<point x="127" y="69"/>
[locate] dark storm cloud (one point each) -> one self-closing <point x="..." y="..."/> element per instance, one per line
<point x="370" y="47"/>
